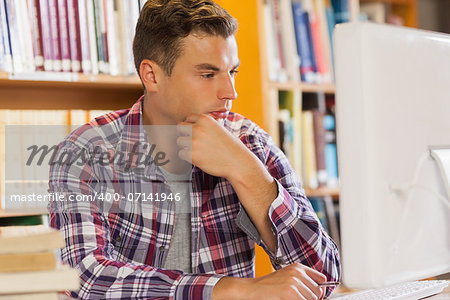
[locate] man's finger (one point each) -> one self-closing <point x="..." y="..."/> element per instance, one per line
<point x="316" y="275"/>
<point x="184" y="129"/>
<point x="185" y="154"/>
<point x="184" y="142"/>
<point x="312" y="286"/>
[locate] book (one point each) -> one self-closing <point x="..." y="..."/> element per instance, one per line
<point x="284" y="126"/>
<point x="309" y="153"/>
<point x="290" y="100"/>
<point x="7" y="54"/>
<point x="74" y="35"/>
<point x="66" y="64"/>
<point x="100" y="32"/>
<point x="26" y="239"/>
<point x="291" y="57"/>
<point x="275" y="4"/>
<point x="112" y="37"/>
<point x="273" y="58"/>
<point x="92" y="36"/>
<point x="86" y="63"/>
<point x="60" y="279"/>
<point x="320" y="7"/>
<point x="24" y="29"/>
<point x="54" y="34"/>
<point x="44" y="23"/>
<point x="330" y="151"/>
<point x="319" y="143"/>
<point x="341" y="11"/>
<point x="303" y="46"/>
<point x="26" y="262"/>
<point x="33" y="7"/>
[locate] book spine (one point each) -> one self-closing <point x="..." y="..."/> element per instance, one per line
<point x="74" y="35"/>
<point x="99" y="35"/>
<point x="331" y="23"/>
<point x="341" y="11"/>
<point x="33" y="6"/>
<point x="54" y="32"/>
<point x="311" y="47"/>
<point x="46" y="35"/>
<point x="104" y="31"/>
<point x="330" y="151"/>
<point x="16" y="51"/>
<point x="289" y="43"/>
<point x="319" y="141"/>
<point x="325" y="39"/>
<point x="25" y="32"/>
<point x="111" y="37"/>
<point x="310" y="169"/>
<point x="303" y="47"/>
<point x="92" y="36"/>
<point x="2" y="49"/>
<point x="133" y="15"/>
<point x="279" y="40"/>
<point x="84" y="37"/>
<point x="120" y="12"/>
<point x="66" y="65"/>
<point x="318" y="46"/>
<point x="7" y="65"/>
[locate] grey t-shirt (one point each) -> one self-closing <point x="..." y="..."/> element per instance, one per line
<point x="179" y="253"/>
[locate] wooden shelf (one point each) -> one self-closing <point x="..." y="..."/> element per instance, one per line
<point x="4" y="214"/>
<point x="322" y="192"/>
<point x="304" y="87"/>
<point x="74" y="91"/>
<point x="404" y="2"/>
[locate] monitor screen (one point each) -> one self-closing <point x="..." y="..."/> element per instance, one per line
<point x="392" y="105"/>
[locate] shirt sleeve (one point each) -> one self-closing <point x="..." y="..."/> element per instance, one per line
<point x="299" y="234"/>
<point x="88" y="247"/>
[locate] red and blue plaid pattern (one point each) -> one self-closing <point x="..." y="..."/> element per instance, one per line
<point x="119" y="252"/>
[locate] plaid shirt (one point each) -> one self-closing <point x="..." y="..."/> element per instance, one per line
<point x="119" y="251"/>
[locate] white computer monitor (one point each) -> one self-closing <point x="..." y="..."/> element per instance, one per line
<point x="392" y="104"/>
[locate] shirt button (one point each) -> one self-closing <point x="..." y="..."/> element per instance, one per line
<point x="162" y="248"/>
<point x="118" y="238"/>
<point x="278" y="261"/>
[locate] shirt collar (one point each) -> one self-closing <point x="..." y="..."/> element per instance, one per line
<point x="133" y="147"/>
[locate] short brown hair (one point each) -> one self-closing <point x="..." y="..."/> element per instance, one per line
<point x="163" y="23"/>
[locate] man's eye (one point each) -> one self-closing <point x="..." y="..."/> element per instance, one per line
<point x="234" y="73"/>
<point x="210" y="75"/>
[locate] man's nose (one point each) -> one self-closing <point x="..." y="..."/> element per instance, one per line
<point x="227" y="89"/>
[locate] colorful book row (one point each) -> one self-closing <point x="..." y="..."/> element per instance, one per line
<point x="299" y="38"/>
<point x="308" y="137"/>
<point x="89" y="36"/>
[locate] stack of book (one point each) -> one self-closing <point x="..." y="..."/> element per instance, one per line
<point x="28" y="264"/>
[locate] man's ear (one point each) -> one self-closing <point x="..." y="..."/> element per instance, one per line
<point x="150" y="75"/>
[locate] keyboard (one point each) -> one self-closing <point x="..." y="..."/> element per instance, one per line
<point x="406" y="290"/>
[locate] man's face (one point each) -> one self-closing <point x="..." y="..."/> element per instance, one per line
<point x="202" y="80"/>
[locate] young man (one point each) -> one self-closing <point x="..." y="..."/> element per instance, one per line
<point x="238" y="186"/>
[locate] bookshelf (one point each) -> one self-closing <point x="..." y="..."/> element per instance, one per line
<point x="81" y="92"/>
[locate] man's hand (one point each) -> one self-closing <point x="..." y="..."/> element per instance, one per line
<point x="217" y="152"/>
<point x="295" y="281"/>
<point x="211" y="147"/>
